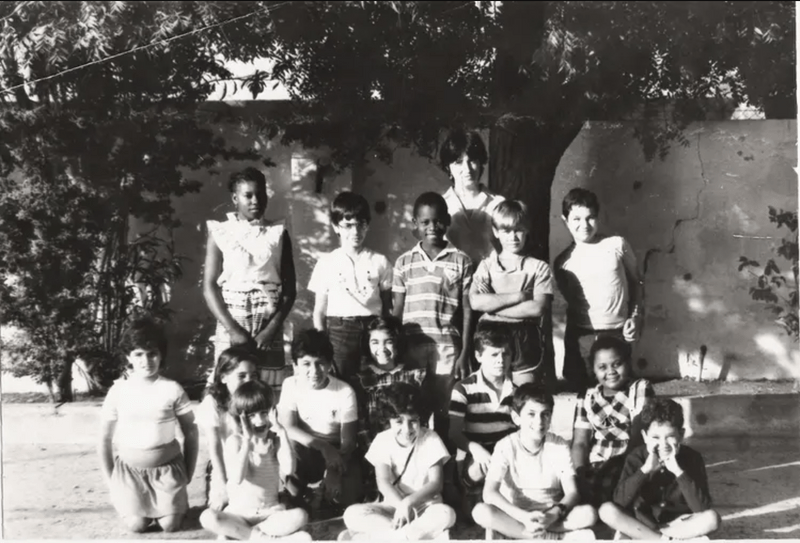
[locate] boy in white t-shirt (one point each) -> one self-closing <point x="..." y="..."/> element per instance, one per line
<point x="530" y="490"/>
<point x="599" y="279"/>
<point x="320" y="416"/>
<point x="408" y="460"/>
<point x="352" y="284"/>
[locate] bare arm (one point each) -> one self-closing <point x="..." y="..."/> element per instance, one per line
<point x="492" y="496"/>
<point x="492" y="302"/>
<point x="529" y="309"/>
<point x="212" y="292"/>
<point x="384" y="479"/>
<point x="288" y="292"/>
<point x="320" y="311"/>
<point x="237" y="458"/>
<point x="105" y="447"/>
<point x="398" y="304"/>
<point x="214" y="444"/>
<point x="348" y="437"/>
<point x="386" y="303"/>
<point x="189" y="429"/>
<point x="430" y="489"/>
<point x="461" y="366"/>
<point x="581" y="443"/>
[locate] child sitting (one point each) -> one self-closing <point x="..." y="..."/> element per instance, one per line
<point x="663" y="492"/>
<point x="606" y="421"/>
<point x="516" y="289"/>
<point x="530" y="490"/>
<point x="480" y="405"/>
<point x="408" y="460"/>
<point x="383" y="343"/>
<point x="600" y="282"/>
<point x="320" y="415"/>
<point x="236" y="366"/>
<point x="249" y="277"/>
<point x="148" y="478"/>
<point x="353" y="284"/>
<point x="254" y="457"/>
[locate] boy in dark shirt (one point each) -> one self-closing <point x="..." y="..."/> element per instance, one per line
<point x="663" y="490"/>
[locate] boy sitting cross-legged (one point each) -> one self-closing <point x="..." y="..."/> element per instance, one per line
<point x="408" y="460"/>
<point x="663" y="490"/>
<point x="530" y="490"/>
<point x="320" y="416"/>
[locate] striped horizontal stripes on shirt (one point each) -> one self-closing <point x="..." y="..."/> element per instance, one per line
<point x="487" y="417"/>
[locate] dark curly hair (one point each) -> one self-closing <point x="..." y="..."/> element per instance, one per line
<point x="531" y="392"/>
<point x="250" y="397"/>
<point x="400" y="399"/>
<point x="227" y="362"/>
<point x="611" y="343"/>
<point x="144" y="332"/>
<point x="662" y="410"/>
<point x="433" y="200"/>
<point x="249" y="174"/>
<point x="580" y="197"/>
<point x="391" y="326"/>
<point x="312" y="342"/>
<point x="350" y="205"/>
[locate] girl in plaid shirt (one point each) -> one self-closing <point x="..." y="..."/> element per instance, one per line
<point x="607" y="420"/>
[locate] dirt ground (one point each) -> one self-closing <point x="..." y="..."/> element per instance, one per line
<point x="53" y="488"/>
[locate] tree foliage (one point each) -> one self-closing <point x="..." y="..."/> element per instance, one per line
<point x="84" y="147"/>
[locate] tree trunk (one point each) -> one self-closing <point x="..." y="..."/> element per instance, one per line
<point x="64" y="382"/>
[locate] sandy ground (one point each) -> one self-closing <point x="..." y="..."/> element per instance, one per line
<point x="53" y="488"/>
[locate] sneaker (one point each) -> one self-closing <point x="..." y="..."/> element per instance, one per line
<point x="579" y="535"/>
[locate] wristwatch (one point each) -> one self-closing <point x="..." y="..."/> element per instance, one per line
<point x="562" y="510"/>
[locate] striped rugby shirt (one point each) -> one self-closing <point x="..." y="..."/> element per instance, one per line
<point x="487" y="416"/>
<point x="434" y="290"/>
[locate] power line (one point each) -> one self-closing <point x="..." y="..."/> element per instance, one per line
<point x="142" y="47"/>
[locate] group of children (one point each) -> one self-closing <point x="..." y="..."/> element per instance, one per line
<point x="395" y="378"/>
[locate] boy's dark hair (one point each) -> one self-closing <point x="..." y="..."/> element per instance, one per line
<point x="312" y="342"/>
<point x="531" y="392"/>
<point x="144" y="332"/>
<point x="459" y="142"/>
<point x="431" y="199"/>
<point x="580" y="197"/>
<point x="249" y="174"/>
<point x="227" y="362"/>
<point x="611" y="343"/>
<point x="250" y="397"/>
<point x="491" y="335"/>
<point x="349" y="205"/>
<point x="390" y="325"/>
<point x="400" y="399"/>
<point x="662" y="410"/>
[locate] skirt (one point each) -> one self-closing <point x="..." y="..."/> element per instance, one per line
<point x="150" y="492"/>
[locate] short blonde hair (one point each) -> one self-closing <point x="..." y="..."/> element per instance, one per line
<point x="511" y="215"/>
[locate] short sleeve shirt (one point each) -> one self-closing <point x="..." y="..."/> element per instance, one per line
<point x="531" y="481"/>
<point x="486" y="414"/>
<point x="428" y="450"/>
<point x="471" y="229"/>
<point x="146" y="412"/>
<point x="594" y="282"/>
<point x="492" y="277"/>
<point x="320" y="412"/>
<point x="353" y="286"/>
<point x="609" y="419"/>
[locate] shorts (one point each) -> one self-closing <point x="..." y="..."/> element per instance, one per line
<point x="347" y="337"/>
<point x="149" y="492"/>
<point x="597" y="481"/>
<point x="578" y="370"/>
<point x="435" y="357"/>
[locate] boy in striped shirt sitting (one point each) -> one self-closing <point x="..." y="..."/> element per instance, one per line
<point x="480" y="405"/>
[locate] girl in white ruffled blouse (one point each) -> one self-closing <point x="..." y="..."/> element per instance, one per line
<point x="249" y="279"/>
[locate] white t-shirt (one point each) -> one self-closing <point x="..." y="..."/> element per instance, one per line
<point x="428" y="451"/>
<point x="593" y="280"/>
<point x="146" y="411"/>
<point x="322" y="412"/>
<point x="353" y="286"/>
<point x="531" y="481"/>
<point x="208" y="417"/>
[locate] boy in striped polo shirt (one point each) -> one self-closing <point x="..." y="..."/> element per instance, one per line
<point x="431" y="297"/>
<point x="480" y="405"/>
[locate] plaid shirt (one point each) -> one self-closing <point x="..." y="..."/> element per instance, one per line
<point x="609" y="419"/>
<point x="368" y="384"/>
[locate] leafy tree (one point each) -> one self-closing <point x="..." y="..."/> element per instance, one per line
<point x="87" y="144"/>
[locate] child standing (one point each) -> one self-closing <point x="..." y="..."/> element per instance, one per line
<point x="352" y="284"/>
<point x="480" y="406"/>
<point x="530" y="490"/>
<point x="607" y="420"/>
<point x="408" y="460"/>
<point x="236" y="366"/>
<point x="255" y="456"/>
<point x="600" y="282"/>
<point x="663" y="492"/>
<point x="515" y="289"/>
<point x="148" y="477"/>
<point x="320" y="415"/>
<point x="431" y="298"/>
<point x="383" y="342"/>
<point x="249" y="278"/>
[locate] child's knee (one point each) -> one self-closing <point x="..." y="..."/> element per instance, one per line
<point x="209" y="519"/>
<point x="171" y="523"/>
<point x="610" y="512"/>
<point x="445" y="515"/>
<point x="136" y="525"/>
<point x="583" y="515"/>
<point x="482" y="514"/>
<point x="712" y="519"/>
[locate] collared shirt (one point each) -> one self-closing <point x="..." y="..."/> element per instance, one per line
<point x="609" y="419"/>
<point x="492" y="277"/>
<point x="353" y="285"/>
<point x="251" y="252"/>
<point x="434" y="290"/>
<point x="487" y="414"/>
<point x="471" y="229"/>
